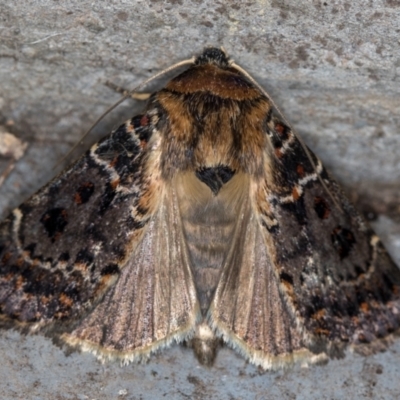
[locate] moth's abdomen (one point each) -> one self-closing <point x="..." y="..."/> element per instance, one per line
<point x="209" y="222"/>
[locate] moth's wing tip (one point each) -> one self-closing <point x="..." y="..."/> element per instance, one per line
<point x="268" y="362"/>
<point x="138" y="355"/>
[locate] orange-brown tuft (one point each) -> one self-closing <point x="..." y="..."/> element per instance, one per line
<point x="65" y="300"/>
<point x="321" y="331"/>
<point x="288" y="286"/>
<point x="6" y="257"/>
<point x="114" y="183"/>
<point x="295" y="194"/>
<point x="278" y="152"/>
<point x="19" y="282"/>
<point x="319" y="314"/>
<point x="300" y="170"/>
<point x="44" y="300"/>
<point x="77" y="198"/>
<point x="19" y="262"/>
<point x="113" y="162"/>
<point x="81" y="266"/>
<point x="279" y="128"/>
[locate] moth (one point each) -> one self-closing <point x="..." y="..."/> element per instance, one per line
<point x="204" y="219"/>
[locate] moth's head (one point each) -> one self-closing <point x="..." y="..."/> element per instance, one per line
<point x="212" y="55"/>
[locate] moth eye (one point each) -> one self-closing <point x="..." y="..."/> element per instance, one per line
<point x="343" y="241"/>
<point x="321" y="207"/>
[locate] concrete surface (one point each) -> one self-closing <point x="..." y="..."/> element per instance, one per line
<point x="334" y="69"/>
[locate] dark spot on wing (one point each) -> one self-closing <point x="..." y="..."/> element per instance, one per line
<point x="321" y="207"/>
<point x="83" y="193"/>
<point x="30" y="248"/>
<point x="286" y="277"/>
<point x="84" y="257"/>
<point x="359" y="270"/>
<point x="343" y="241"/>
<point x="282" y="130"/>
<point x="135" y="224"/>
<point x="296" y="208"/>
<point x="110" y="269"/>
<point x="300" y="170"/>
<point x="54" y="221"/>
<point x="64" y="257"/>
<point x="107" y="198"/>
<point x="273" y="229"/>
<point x="141" y="124"/>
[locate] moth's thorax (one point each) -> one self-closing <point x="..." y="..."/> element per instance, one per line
<point x="215" y="117"/>
<point x="209" y="223"/>
<point x="226" y="83"/>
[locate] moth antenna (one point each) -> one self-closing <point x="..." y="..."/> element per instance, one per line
<point x="127" y="95"/>
<point x="265" y="93"/>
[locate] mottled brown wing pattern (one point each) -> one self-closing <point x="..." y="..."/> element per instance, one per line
<point x="333" y="269"/>
<point x="62" y="249"/>
<point x="154" y="301"/>
<point x="101" y="248"/>
<point x="305" y="275"/>
<point x="248" y="310"/>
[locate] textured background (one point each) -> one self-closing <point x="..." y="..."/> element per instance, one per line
<point x="332" y="67"/>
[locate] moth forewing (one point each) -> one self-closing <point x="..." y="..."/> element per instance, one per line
<point x="203" y="219"/>
<point x="154" y="301"/>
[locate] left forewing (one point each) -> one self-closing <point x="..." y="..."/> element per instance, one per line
<point x="334" y="273"/>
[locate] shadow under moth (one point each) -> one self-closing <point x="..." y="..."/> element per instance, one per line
<point x="204" y="219"/>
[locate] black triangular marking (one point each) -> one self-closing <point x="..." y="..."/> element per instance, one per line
<point x="215" y="177"/>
